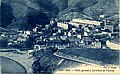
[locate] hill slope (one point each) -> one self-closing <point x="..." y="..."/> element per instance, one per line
<point x="62" y="9"/>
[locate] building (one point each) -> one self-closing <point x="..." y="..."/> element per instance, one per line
<point x="79" y="21"/>
<point x="87" y="40"/>
<point x="97" y="44"/>
<point x="63" y="37"/>
<point x="65" y="33"/>
<point x="74" y="24"/>
<point x="27" y="32"/>
<point x="85" y="34"/>
<point x="106" y="24"/>
<point x="79" y="36"/>
<point x="60" y="46"/>
<point x="74" y="29"/>
<point x="86" y="29"/>
<point x="39" y="47"/>
<point x="69" y="33"/>
<point x="63" y="25"/>
<point x="109" y="27"/>
<point x="52" y="21"/>
<point x="21" y="39"/>
<point x="53" y="38"/>
<point x="112" y="45"/>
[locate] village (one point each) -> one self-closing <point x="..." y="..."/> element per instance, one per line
<point x="45" y="40"/>
<point x="64" y="34"/>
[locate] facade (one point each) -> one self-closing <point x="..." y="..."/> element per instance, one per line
<point x="74" y="24"/>
<point x="88" y="22"/>
<point x="79" y="36"/>
<point x="63" y="25"/>
<point x="113" y="45"/>
<point x="97" y="44"/>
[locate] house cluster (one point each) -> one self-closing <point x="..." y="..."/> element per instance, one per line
<point x="63" y="34"/>
<point x="14" y="39"/>
<point x="78" y="32"/>
<point x="49" y="36"/>
<point x="88" y="32"/>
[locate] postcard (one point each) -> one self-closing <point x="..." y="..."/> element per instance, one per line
<point x="59" y="37"/>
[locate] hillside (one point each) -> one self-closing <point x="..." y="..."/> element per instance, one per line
<point x="62" y="9"/>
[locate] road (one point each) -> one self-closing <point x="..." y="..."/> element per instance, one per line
<point x="76" y="60"/>
<point x="90" y="55"/>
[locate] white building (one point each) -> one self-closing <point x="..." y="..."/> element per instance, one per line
<point x="2" y="35"/>
<point x="69" y="34"/>
<point x="89" y="22"/>
<point x="39" y="47"/>
<point x="52" y="21"/>
<point x="75" y="24"/>
<point x="35" y="29"/>
<point x="62" y="25"/>
<point x="113" y="45"/>
<point x="85" y="34"/>
<point x="53" y="38"/>
<point x="79" y="36"/>
<point x="78" y="22"/>
<point x="97" y="44"/>
<point x="65" y="33"/>
<point x="30" y="52"/>
<point x="27" y="32"/>
<point x="63" y="37"/>
<point x="74" y="29"/>
<point x="59" y="31"/>
<point x="86" y="29"/>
